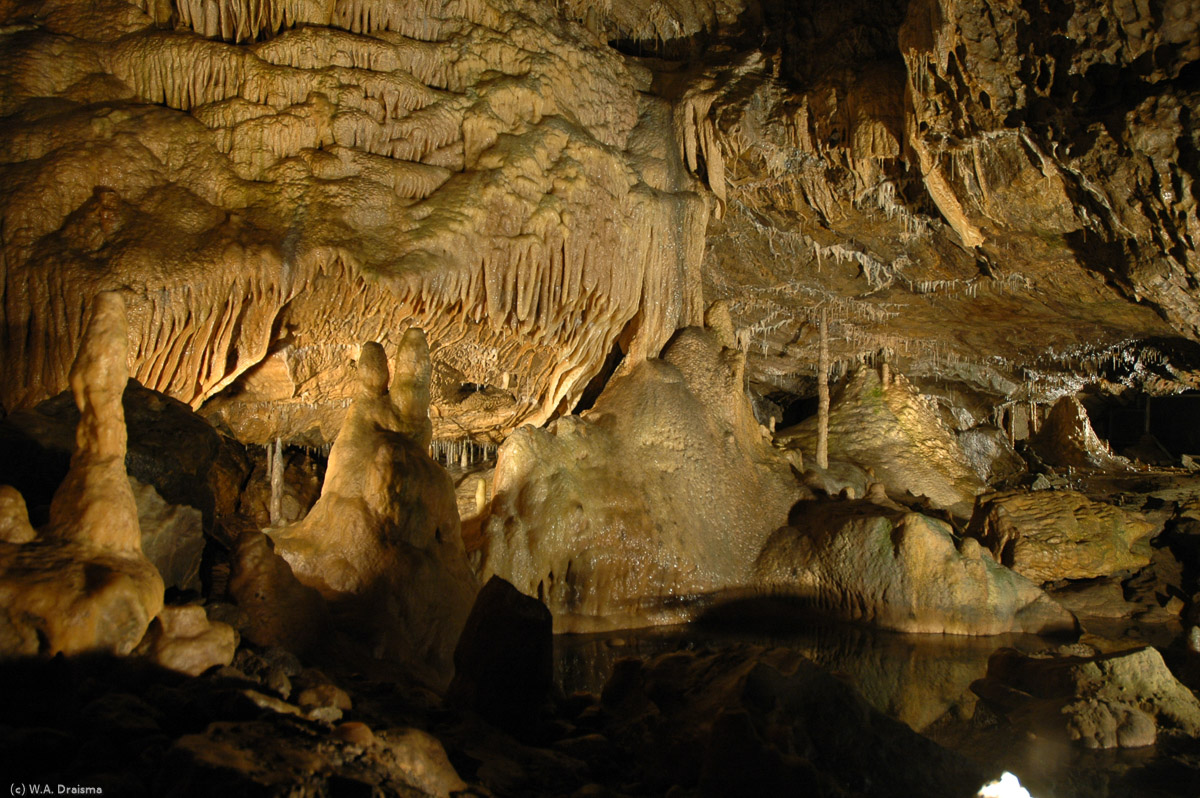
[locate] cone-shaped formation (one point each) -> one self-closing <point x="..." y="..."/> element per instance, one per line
<point x="894" y="430"/>
<point x="383" y="543"/>
<point x="83" y="583"/>
<point x="654" y="500"/>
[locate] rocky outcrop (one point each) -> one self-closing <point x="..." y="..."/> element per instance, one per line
<point x="990" y="454"/>
<point x="873" y="562"/>
<point x="1122" y="699"/>
<point x="1047" y="535"/>
<point x="1067" y="439"/>
<point x="275" y="608"/>
<point x="657" y="498"/>
<point x="504" y="660"/>
<point x="383" y="543"/>
<point x="83" y="584"/>
<point x="184" y="639"/>
<point x="891" y="429"/>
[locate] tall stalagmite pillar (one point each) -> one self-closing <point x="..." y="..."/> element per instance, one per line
<point x="823" y="392"/>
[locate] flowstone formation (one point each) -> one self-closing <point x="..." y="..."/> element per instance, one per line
<point x="874" y="563"/>
<point x="82" y="584"/>
<point x="892" y="429"/>
<point x="276" y="182"/>
<point x="650" y="504"/>
<point x="383" y="543"/>
<point x="1049" y="535"/>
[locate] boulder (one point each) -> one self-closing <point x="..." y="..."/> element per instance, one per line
<point x="184" y="639"/>
<point x="873" y="562"/>
<point x="898" y="434"/>
<point x="276" y="609"/>
<point x="1121" y="699"/>
<point x="990" y="455"/>
<point x="504" y="661"/>
<point x="1060" y="534"/>
<point x="14" y="517"/>
<point x="83" y="584"/>
<point x="1066" y="440"/>
<point x="642" y="507"/>
<point x="172" y="536"/>
<point x="383" y="543"/>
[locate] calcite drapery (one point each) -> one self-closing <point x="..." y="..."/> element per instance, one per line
<point x="278" y="181"/>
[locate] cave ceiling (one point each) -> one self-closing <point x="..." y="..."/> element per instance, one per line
<point x="998" y="195"/>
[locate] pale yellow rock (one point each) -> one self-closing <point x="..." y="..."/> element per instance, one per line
<point x="14" y="517"/>
<point x="868" y="562"/>
<point x="1048" y="535"/>
<point x="1067" y="440"/>
<point x="183" y="639"/>
<point x="1093" y="700"/>
<point x="383" y="543"/>
<point x="657" y="499"/>
<point x="894" y="431"/>
<point x="83" y="584"/>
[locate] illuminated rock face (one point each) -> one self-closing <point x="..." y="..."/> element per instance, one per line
<point x="1048" y="535"/>
<point x="865" y="561"/>
<point x="893" y="430"/>
<point x="83" y="584"/>
<point x="660" y="495"/>
<point x="383" y="543"/>
<point x="277" y="182"/>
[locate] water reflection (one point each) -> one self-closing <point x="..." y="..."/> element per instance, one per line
<point x="914" y="678"/>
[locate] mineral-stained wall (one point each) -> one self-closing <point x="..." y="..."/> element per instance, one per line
<point x="273" y="182"/>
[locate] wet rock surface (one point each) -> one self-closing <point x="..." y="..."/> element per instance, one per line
<point x="872" y="561"/>
<point x="1048" y="535"/>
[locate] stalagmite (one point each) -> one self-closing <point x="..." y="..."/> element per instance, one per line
<point x="83" y="584"/>
<point x="481" y="497"/>
<point x="823" y="392"/>
<point x="276" y="456"/>
<point x="383" y="543"/>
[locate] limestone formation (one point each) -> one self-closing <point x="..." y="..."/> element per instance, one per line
<point x="14" y="518"/>
<point x="276" y="609"/>
<point x="83" y="584"/>
<point x="894" y="431"/>
<point x="1067" y="440"/>
<point x="285" y="180"/>
<point x="865" y="561"/>
<point x="1121" y="699"/>
<point x="656" y="499"/>
<point x="383" y="543"/>
<point x="183" y="639"/>
<point x="990" y="454"/>
<point x="504" y="660"/>
<point x="1048" y="535"/>
<point x="172" y="537"/>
